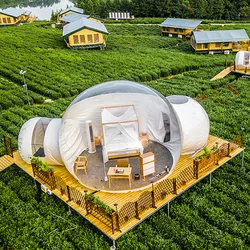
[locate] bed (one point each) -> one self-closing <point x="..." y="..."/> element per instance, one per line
<point x="120" y="132"/>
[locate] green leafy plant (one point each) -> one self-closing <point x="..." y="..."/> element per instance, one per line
<point x="99" y="203"/>
<point x="40" y="164"/>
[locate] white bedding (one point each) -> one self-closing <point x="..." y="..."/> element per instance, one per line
<point x="121" y="145"/>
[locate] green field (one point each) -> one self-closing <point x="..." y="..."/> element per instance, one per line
<point x="205" y="217"/>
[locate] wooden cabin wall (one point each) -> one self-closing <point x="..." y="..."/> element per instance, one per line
<point x="82" y="37"/>
<point x="7" y="20"/>
<point x="220" y="46"/>
<point x="178" y="31"/>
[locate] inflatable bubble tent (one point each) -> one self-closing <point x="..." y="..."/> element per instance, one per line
<point x="120" y="113"/>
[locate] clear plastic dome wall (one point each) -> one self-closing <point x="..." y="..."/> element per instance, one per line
<point x="194" y="122"/>
<point x="242" y="60"/>
<point x="154" y="113"/>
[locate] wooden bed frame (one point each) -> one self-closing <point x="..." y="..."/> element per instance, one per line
<point x="123" y="154"/>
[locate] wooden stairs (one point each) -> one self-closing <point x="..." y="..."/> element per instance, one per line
<point x="31" y="19"/>
<point x="6" y="161"/>
<point x="223" y="73"/>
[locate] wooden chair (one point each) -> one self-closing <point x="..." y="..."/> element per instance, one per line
<point x="81" y="162"/>
<point x="123" y="163"/>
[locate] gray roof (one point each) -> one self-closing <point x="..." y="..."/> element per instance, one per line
<point x="74" y="9"/>
<point x="181" y="23"/>
<point x="27" y="12"/>
<point x="13" y="12"/>
<point x="220" y="36"/>
<point x="81" y="24"/>
<point x="72" y="17"/>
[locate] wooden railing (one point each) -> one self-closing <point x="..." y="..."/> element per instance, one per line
<point x="109" y="219"/>
<point x="133" y="210"/>
<point x="80" y="198"/>
<point x="47" y="177"/>
<point x="115" y="220"/>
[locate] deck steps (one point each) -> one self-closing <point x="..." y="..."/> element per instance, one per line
<point x="5" y="161"/>
<point x="222" y="74"/>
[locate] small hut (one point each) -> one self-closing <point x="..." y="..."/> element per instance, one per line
<point x="72" y="17"/>
<point x="220" y="41"/>
<point x="68" y="11"/>
<point x="13" y="16"/>
<point x="85" y="33"/>
<point x="175" y="27"/>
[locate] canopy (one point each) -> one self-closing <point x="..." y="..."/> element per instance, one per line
<point x="194" y="122"/>
<point x="39" y="136"/>
<point x="120" y="130"/>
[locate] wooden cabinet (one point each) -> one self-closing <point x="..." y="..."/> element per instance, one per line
<point x="147" y="164"/>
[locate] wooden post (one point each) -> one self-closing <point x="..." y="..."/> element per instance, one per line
<point x="153" y="199"/>
<point x="52" y="180"/>
<point x="33" y="168"/>
<point x="137" y="211"/>
<point x="228" y="149"/>
<point x="8" y="146"/>
<point x="113" y="219"/>
<point x="68" y="191"/>
<point x="174" y="186"/>
<point x="196" y="170"/>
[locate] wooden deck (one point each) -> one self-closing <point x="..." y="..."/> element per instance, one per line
<point x="223" y="73"/>
<point x="124" y="198"/>
<point x="5" y="161"/>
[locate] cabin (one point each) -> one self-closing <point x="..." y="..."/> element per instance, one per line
<point x="72" y="17"/>
<point x="68" y="11"/>
<point x="220" y="41"/>
<point x="85" y="33"/>
<point x="12" y="16"/>
<point x="176" y="27"/>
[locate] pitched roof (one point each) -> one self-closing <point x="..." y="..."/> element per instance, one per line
<point x="81" y="24"/>
<point x="72" y="17"/>
<point x="181" y="23"/>
<point x="13" y="12"/>
<point x="220" y="36"/>
<point x="74" y="9"/>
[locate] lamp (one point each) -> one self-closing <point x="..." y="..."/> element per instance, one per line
<point x="22" y="72"/>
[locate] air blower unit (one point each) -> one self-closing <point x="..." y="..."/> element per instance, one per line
<point x="90" y="137"/>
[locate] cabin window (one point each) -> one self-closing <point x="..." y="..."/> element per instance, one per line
<point x="225" y="44"/>
<point x="96" y="38"/>
<point x="82" y="39"/>
<point x="217" y="45"/>
<point x="198" y="46"/>
<point x="76" y="40"/>
<point x="181" y="30"/>
<point x="163" y="29"/>
<point x="175" y="30"/>
<point x="4" y="20"/>
<point x="90" y="39"/>
<point x="8" y="20"/>
<point x="167" y="29"/>
<point x="205" y="45"/>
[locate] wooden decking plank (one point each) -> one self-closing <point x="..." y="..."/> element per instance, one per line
<point x="123" y="198"/>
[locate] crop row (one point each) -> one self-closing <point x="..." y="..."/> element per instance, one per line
<point x="134" y="52"/>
